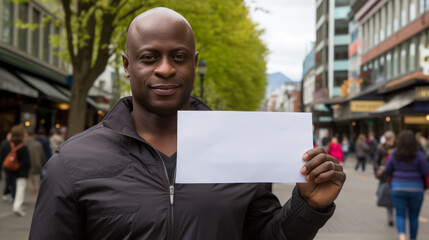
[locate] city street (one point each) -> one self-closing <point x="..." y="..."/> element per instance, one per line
<point x="356" y="216"/>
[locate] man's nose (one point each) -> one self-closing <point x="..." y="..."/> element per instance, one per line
<point x="165" y="68"/>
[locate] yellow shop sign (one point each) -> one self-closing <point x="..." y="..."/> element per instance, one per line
<point x="365" y="106"/>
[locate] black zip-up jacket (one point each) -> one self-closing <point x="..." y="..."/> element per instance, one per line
<point x="108" y="183"/>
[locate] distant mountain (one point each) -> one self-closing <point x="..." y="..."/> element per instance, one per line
<point x="275" y="80"/>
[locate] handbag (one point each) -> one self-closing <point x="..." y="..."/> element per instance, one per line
<point x="384" y="198"/>
<point x="426" y="182"/>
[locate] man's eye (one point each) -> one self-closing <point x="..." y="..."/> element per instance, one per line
<point x="148" y="58"/>
<point x="180" y="57"/>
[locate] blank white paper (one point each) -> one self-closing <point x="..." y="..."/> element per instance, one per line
<point x="242" y="147"/>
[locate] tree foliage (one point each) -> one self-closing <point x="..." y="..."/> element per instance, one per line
<point x="226" y="38"/>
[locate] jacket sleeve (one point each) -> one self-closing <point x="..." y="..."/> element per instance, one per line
<point x="296" y="220"/>
<point x="56" y="215"/>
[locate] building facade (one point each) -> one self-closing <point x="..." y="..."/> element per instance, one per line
<point x="388" y="81"/>
<point x="331" y="52"/>
<point x="34" y="80"/>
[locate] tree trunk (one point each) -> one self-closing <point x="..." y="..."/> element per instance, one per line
<point x="77" y="111"/>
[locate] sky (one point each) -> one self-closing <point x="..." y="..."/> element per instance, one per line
<point x="290" y="27"/>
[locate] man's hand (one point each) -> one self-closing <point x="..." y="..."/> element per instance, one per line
<point x="325" y="178"/>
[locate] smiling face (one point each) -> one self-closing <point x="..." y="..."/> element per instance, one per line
<point x="160" y="61"/>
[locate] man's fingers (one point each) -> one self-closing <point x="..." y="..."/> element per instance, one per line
<point x="312" y="152"/>
<point x="331" y="176"/>
<point x="327" y="168"/>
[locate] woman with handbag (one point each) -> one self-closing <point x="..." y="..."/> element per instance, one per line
<point x="407" y="167"/>
<point x="17" y="178"/>
<point x="384" y="198"/>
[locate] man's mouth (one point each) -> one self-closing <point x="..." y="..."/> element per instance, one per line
<point x="164" y="89"/>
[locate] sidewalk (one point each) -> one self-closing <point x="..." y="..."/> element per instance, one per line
<point x="13" y="227"/>
<point x="357" y="217"/>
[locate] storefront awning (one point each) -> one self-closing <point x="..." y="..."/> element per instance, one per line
<point x="11" y="83"/>
<point x="91" y="102"/>
<point x="47" y="89"/>
<point x="397" y="102"/>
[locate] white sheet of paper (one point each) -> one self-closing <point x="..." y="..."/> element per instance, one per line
<point x="242" y="147"/>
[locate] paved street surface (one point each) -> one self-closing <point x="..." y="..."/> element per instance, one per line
<point x="356" y="217"/>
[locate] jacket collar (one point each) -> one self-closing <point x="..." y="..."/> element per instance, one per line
<point x="119" y="118"/>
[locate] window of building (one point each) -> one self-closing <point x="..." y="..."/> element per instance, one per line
<point x="404" y="18"/>
<point x="388" y="66"/>
<point x="46" y="42"/>
<point x="57" y="49"/>
<point x="396" y="11"/>
<point x="7" y="21"/>
<point x="382" y="22"/>
<point x="389" y="18"/>
<point x="421" y="7"/>
<point x="412" y="10"/>
<point x="403" y="63"/>
<point x="35" y="34"/>
<point x="371" y="33"/>
<point x="422" y="43"/>
<point x="23" y="32"/>
<point x="381" y="71"/>
<point x="395" y="63"/>
<point x="376" y="28"/>
<point x="412" y="55"/>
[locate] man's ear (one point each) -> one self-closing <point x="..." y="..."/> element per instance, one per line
<point x="126" y="63"/>
<point x="196" y="61"/>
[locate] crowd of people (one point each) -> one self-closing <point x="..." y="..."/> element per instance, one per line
<point x="32" y="151"/>
<point x="401" y="166"/>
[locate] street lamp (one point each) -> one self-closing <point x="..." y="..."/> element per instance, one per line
<point x="202" y="69"/>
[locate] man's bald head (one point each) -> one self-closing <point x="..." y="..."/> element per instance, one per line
<point x="156" y="19"/>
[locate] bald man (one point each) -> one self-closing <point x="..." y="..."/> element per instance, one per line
<point x="117" y="179"/>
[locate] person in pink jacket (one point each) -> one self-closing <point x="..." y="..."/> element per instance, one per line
<point x="334" y="149"/>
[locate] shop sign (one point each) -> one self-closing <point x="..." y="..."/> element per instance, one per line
<point x="365" y="106"/>
<point x="422" y="93"/>
<point x="415" y="120"/>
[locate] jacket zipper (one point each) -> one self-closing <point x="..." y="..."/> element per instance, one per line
<point x="170" y="188"/>
<point x="171" y="195"/>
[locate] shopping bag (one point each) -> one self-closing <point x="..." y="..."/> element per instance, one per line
<point x="384" y="198"/>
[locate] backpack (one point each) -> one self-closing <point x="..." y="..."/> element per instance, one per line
<point x="11" y="161"/>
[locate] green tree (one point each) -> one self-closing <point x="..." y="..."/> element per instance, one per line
<point x="226" y="39"/>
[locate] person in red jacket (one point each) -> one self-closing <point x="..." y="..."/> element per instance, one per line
<point x="334" y="149"/>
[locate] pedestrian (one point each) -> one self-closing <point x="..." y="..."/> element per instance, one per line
<point x="55" y="139"/>
<point x="372" y="146"/>
<point x="387" y="143"/>
<point x="335" y="150"/>
<point x="37" y="159"/>
<point x="116" y="180"/>
<point x="43" y="139"/>
<point x="9" y="185"/>
<point x="345" y="146"/>
<point x="361" y="149"/>
<point x="407" y="167"/>
<point x="326" y="140"/>
<point x="18" y="178"/>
